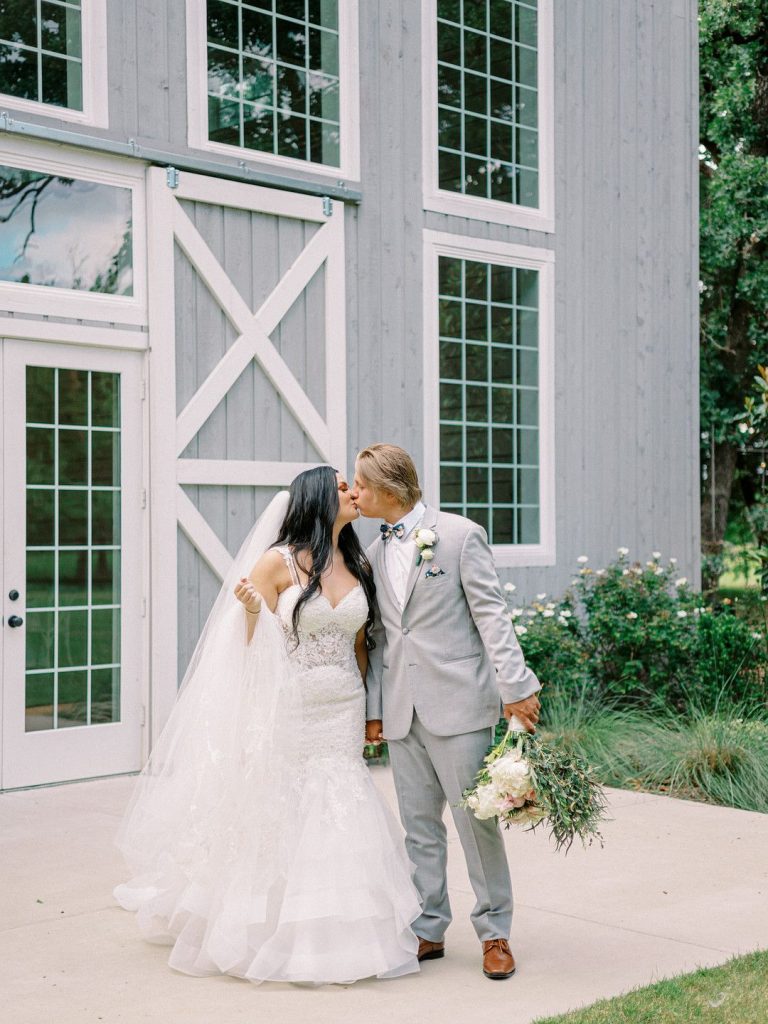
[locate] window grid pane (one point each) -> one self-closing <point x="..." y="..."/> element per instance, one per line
<point x="487" y="100"/>
<point x="273" y="78"/>
<point x="72" y="577"/>
<point x="489" y="460"/>
<point x="41" y="52"/>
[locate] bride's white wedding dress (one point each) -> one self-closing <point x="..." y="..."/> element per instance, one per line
<point x="275" y="858"/>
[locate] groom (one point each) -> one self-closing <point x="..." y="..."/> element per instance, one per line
<point x="446" y="657"/>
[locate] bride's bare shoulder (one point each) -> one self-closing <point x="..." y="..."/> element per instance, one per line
<point x="271" y="568"/>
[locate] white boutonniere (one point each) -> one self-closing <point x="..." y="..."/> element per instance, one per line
<point x="425" y="541"/>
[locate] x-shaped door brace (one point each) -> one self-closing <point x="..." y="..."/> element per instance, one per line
<point x="253" y="342"/>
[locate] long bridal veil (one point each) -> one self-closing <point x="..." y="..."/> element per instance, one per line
<point x="217" y="781"/>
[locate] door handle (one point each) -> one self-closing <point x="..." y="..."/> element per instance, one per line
<point x="15" y="621"/>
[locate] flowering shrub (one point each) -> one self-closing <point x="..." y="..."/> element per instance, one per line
<point x="637" y="632"/>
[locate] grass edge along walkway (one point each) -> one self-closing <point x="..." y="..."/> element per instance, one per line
<point x="734" y="993"/>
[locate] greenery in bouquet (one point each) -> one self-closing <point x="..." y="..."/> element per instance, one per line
<point x="636" y="633"/>
<point x="527" y="782"/>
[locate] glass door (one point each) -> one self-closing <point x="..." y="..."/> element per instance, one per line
<point x="72" y="565"/>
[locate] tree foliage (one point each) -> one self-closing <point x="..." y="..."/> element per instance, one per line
<point x="733" y="163"/>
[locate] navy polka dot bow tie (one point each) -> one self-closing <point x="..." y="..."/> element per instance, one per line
<point x="388" y="531"/>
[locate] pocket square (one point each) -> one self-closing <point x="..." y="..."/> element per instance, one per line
<point x="433" y="571"/>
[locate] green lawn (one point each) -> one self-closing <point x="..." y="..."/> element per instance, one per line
<point x="736" y="993"/>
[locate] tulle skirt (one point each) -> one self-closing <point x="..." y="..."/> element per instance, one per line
<point x="324" y="896"/>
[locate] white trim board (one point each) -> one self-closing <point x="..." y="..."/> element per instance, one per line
<point x="349" y="100"/>
<point x="72" y="334"/>
<point x="440" y="200"/>
<point x="459" y="247"/>
<point x="51" y="158"/>
<point x="95" y="112"/>
<point x="172" y="430"/>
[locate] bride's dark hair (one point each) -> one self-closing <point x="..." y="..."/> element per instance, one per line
<point x="313" y="505"/>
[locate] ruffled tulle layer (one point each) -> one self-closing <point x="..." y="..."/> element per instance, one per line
<point x="336" y="905"/>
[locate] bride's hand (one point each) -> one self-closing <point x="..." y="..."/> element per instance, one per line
<point x="248" y="595"/>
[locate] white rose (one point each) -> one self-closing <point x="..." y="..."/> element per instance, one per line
<point x="673" y="561"/>
<point x="485" y="802"/>
<point x="623" y="551"/>
<point x="510" y="588"/>
<point x="509" y="766"/>
<point x="540" y="597"/>
<point x="427" y="536"/>
<point x="513" y="778"/>
<point x="582" y="559"/>
<point x="566" y="613"/>
<point x="682" y="615"/>
<point x="427" y="555"/>
<point x="681" y="582"/>
<point x="631" y="615"/>
<point x="516" y="613"/>
<point x="562" y="621"/>
<point x="656" y="554"/>
<point x="521" y="630"/>
<point x="548" y="613"/>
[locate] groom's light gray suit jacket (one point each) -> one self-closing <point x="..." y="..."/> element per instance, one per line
<point x="451" y="652"/>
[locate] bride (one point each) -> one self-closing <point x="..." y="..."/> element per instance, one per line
<point x="258" y="843"/>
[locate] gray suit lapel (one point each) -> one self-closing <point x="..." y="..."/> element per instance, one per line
<point x="428" y="522"/>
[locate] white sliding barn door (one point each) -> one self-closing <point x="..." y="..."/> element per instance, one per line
<point x="247" y="381"/>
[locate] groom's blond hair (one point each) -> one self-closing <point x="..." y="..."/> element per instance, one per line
<point x="385" y="467"/>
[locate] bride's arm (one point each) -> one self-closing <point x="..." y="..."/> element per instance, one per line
<point x="361" y="652"/>
<point x="264" y="583"/>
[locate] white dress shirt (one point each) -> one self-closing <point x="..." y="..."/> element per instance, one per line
<point x="400" y="552"/>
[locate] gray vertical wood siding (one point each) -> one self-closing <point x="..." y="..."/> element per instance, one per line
<point x="626" y="297"/>
<point x="625" y="244"/>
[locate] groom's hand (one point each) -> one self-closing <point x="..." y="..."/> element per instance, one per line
<point x="373" y="731"/>
<point x="526" y="710"/>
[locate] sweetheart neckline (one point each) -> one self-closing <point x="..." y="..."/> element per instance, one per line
<point x="333" y="607"/>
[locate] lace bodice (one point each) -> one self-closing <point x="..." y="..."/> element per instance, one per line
<point x="326" y="632"/>
<point x="330" y="683"/>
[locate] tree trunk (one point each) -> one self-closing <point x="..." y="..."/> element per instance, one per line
<point x="715" y="501"/>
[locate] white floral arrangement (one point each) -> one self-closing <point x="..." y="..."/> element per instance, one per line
<point x="527" y="782"/>
<point x="509" y="792"/>
<point x="425" y="541"/>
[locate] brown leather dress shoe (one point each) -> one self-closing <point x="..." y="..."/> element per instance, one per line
<point x="498" y="961"/>
<point x="430" y="950"/>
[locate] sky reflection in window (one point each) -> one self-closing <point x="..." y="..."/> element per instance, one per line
<point x="65" y="232"/>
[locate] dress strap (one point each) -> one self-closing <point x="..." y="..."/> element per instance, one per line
<point x="291" y="563"/>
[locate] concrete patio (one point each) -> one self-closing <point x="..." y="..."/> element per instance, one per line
<point x="677" y="885"/>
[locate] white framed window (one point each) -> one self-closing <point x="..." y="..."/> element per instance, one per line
<point x="276" y="82"/>
<point x="53" y="59"/>
<point x="489" y="391"/>
<point x="488" y="110"/>
<point x="72" y="234"/>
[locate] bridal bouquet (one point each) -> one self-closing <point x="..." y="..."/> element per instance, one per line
<point x="527" y="782"/>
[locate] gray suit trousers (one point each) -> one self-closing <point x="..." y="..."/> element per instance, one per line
<point x="428" y="771"/>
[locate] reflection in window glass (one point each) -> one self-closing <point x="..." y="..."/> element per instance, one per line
<point x="489" y="415"/>
<point x="41" y="51"/>
<point x="273" y="78"/>
<point x="65" y="232"/>
<point x="72" y="548"/>
<point x="487" y="98"/>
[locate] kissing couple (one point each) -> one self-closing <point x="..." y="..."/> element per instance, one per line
<point x="258" y="842"/>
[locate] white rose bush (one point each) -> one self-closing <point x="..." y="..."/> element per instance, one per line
<point x="527" y="782"/>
